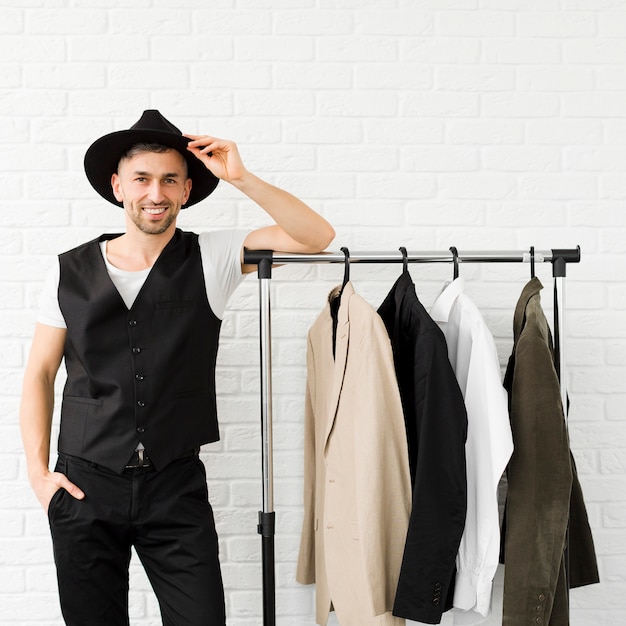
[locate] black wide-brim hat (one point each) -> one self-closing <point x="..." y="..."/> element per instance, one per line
<point x="103" y="156"/>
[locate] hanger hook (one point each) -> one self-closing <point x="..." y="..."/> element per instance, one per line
<point x="455" y="260"/>
<point x="346" y="266"/>
<point x="405" y="259"/>
<point x="532" y="261"/>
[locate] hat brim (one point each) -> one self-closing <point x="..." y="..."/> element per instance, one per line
<point x="103" y="156"/>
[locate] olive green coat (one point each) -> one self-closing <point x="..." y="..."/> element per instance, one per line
<point x="543" y="489"/>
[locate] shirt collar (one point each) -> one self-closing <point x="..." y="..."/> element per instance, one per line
<point x="440" y="311"/>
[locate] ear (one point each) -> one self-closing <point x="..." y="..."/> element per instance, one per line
<point x="188" y="184"/>
<point x="117" y="187"/>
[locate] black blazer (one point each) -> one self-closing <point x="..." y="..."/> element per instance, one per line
<point x="436" y="425"/>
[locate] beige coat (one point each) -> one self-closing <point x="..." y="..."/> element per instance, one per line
<point x="357" y="486"/>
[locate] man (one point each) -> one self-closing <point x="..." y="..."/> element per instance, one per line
<point x="136" y="317"/>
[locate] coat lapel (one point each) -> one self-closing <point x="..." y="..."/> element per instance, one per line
<point x="532" y="288"/>
<point x="341" y="356"/>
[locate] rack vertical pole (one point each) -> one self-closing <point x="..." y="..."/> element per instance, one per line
<point x="560" y="259"/>
<point x="559" y="269"/>
<point x="267" y="522"/>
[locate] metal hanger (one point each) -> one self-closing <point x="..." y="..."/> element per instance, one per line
<point x="455" y="260"/>
<point x="405" y="259"/>
<point x="346" y="267"/>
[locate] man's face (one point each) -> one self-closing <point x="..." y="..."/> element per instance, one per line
<point x="153" y="187"/>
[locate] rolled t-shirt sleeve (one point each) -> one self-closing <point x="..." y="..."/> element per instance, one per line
<point x="221" y="263"/>
<point x="49" y="309"/>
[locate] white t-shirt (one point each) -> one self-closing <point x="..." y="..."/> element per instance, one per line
<point x="220" y="251"/>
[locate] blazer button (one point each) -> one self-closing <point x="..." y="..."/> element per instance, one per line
<point x="132" y="323"/>
<point x="141" y="429"/>
<point x="136" y="350"/>
<point x="141" y="403"/>
<point x="139" y="376"/>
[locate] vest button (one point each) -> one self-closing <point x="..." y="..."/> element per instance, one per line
<point x="136" y="350"/>
<point x="141" y="429"/>
<point x="141" y="403"/>
<point x="132" y="323"/>
<point x="139" y="376"/>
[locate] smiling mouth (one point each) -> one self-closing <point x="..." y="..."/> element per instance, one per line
<point x="154" y="210"/>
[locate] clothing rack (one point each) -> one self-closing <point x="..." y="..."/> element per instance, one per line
<point x="265" y="259"/>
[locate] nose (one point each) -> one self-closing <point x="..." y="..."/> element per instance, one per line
<point x="155" y="192"/>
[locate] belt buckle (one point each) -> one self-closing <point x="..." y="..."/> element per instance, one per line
<point x="142" y="461"/>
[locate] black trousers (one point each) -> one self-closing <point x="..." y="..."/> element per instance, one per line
<point x="165" y="515"/>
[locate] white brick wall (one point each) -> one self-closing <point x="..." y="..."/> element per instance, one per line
<point x="484" y="124"/>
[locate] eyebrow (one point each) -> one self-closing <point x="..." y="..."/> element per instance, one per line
<point x="166" y="175"/>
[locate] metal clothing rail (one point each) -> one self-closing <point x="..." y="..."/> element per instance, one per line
<point x="265" y="259"/>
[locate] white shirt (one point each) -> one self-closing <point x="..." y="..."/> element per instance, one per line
<point x="221" y="263"/>
<point x="489" y="445"/>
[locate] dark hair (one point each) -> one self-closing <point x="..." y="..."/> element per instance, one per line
<point x="140" y="148"/>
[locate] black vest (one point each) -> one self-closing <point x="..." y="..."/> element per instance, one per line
<point x="145" y="374"/>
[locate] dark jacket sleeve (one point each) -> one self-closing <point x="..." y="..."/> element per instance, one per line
<point x="437" y="430"/>
<point x="583" y="567"/>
